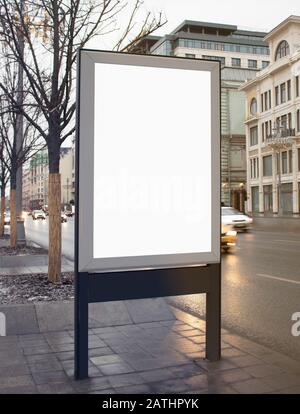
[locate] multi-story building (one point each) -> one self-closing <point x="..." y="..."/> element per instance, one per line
<point x="66" y="165"/>
<point x="39" y="174"/>
<point x="26" y="188"/>
<point x="273" y="125"/>
<point x="241" y="53"/>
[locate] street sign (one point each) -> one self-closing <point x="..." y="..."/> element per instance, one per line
<point x="148" y="179"/>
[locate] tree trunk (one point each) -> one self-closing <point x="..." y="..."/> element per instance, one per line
<point x="54" y="200"/>
<point x="2" y="212"/>
<point x="13" y="219"/>
<point x="54" y="190"/>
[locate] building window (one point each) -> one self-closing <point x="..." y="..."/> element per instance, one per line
<point x="253" y="106"/>
<point x="289" y="120"/>
<point x="290" y="161"/>
<point x="255" y="198"/>
<point x="284" y="162"/>
<point x="283" y="50"/>
<point x="252" y="64"/>
<point x="268" y="197"/>
<point x="289" y="95"/>
<point x="267" y="129"/>
<point x="266" y="101"/>
<point x="276" y="95"/>
<point x="283" y="93"/>
<point x="297" y="86"/>
<point x="253" y="136"/>
<point x="284" y="121"/>
<point x="284" y="166"/>
<point x="298" y="120"/>
<point x="263" y="132"/>
<point x="219" y="58"/>
<point x="264" y="64"/>
<point x="228" y="47"/>
<point x="236" y="62"/>
<point x="298" y="159"/>
<point x="267" y="166"/>
<point x="254" y="168"/>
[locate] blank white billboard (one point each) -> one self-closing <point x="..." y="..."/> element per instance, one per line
<point x="147" y="166"/>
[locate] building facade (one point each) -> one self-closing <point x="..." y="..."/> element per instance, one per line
<point x="241" y="53"/>
<point x="39" y="173"/>
<point x="35" y="179"/>
<point x="66" y="166"/>
<point x="273" y="125"/>
<point x="26" y="188"/>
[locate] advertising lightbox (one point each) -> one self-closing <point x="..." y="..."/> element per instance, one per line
<point x="149" y="162"/>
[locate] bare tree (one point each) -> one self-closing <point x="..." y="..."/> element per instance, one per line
<point x="4" y="176"/>
<point x="13" y="156"/>
<point x="53" y="31"/>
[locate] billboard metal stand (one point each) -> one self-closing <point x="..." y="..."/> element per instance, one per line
<point x="105" y="287"/>
<point x="101" y="277"/>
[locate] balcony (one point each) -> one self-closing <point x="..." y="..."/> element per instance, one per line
<point x="281" y="138"/>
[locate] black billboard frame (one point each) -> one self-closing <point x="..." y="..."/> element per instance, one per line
<point x="132" y="284"/>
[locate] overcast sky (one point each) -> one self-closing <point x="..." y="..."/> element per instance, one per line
<point x="256" y="14"/>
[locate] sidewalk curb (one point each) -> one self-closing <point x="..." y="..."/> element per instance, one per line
<point x="58" y="316"/>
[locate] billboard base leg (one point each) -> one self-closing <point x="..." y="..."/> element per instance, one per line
<point x="81" y="326"/>
<point x="213" y="315"/>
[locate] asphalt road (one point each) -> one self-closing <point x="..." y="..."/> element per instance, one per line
<point x="261" y="281"/>
<point x="37" y="231"/>
<point x="261" y="285"/>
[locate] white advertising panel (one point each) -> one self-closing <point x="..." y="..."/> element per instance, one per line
<point x="149" y="193"/>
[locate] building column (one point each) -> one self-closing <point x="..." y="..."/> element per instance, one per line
<point x="261" y="198"/>
<point x="248" y="167"/>
<point x="260" y="182"/>
<point x="274" y="183"/>
<point x="295" y="182"/>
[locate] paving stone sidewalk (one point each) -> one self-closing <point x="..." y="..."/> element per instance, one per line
<point x="28" y="264"/>
<point x="155" y="357"/>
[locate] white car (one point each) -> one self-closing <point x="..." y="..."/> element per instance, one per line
<point x="38" y="215"/>
<point x="236" y="219"/>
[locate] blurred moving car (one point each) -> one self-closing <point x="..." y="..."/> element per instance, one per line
<point x="7" y="218"/>
<point x="236" y="219"/>
<point x="228" y="238"/>
<point x="63" y="217"/>
<point x="38" y="215"/>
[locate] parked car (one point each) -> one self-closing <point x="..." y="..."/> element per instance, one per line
<point x="38" y="215"/>
<point x="7" y="218"/>
<point x="63" y="217"/>
<point x="236" y="219"/>
<point x="228" y="238"/>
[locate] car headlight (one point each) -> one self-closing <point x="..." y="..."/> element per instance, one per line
<point x="231" y="233"/>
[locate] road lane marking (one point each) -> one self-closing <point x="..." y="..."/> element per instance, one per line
<point x="279" y="278"/>
<point x="288" y="241"/>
